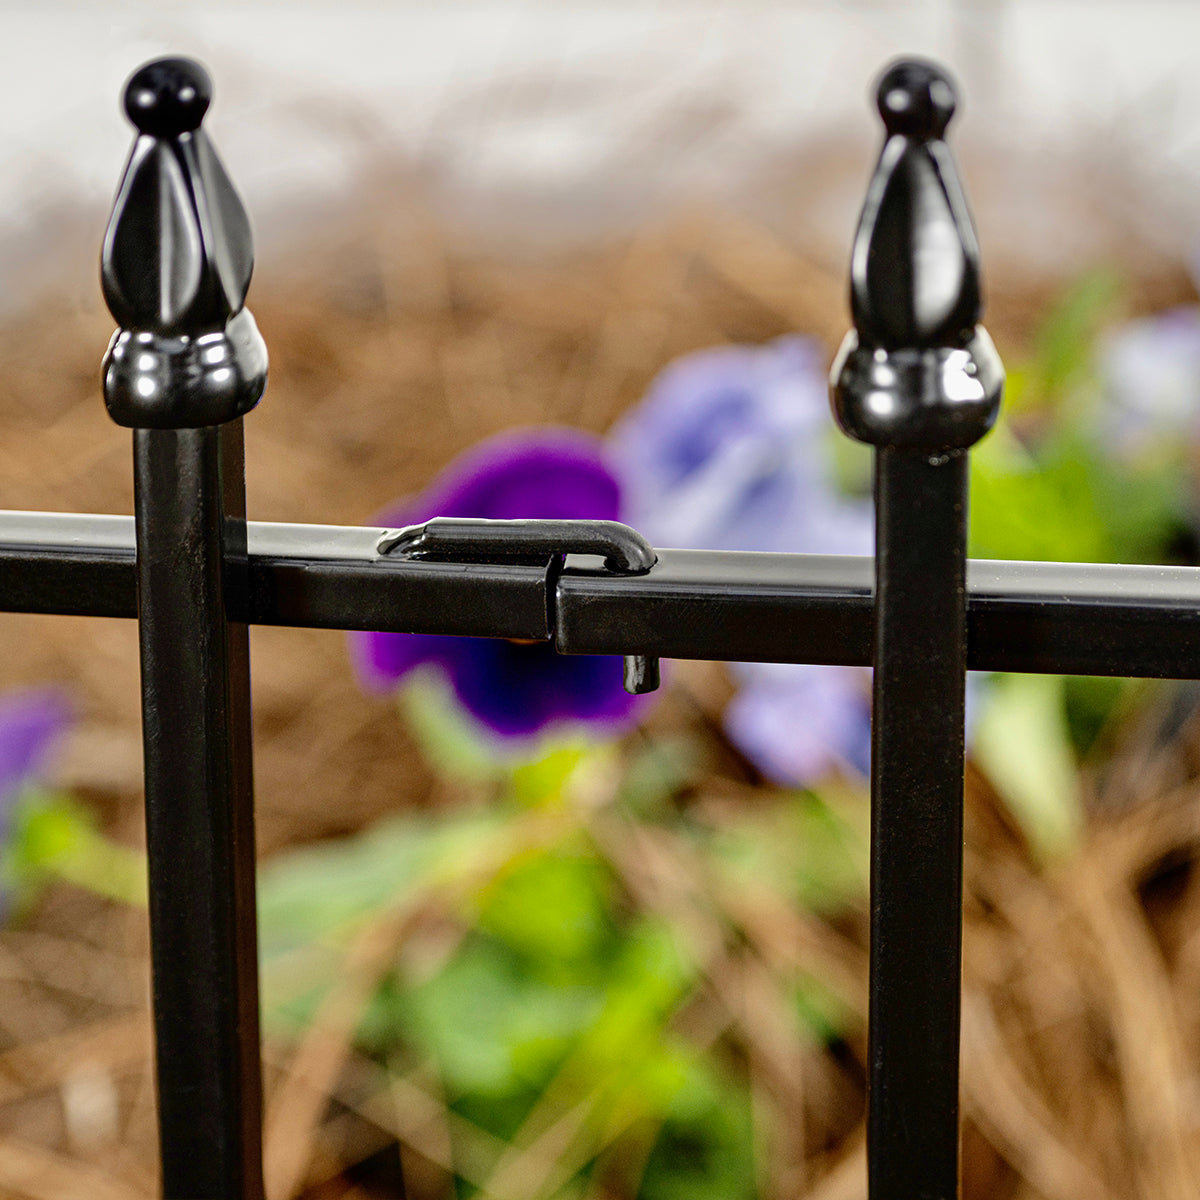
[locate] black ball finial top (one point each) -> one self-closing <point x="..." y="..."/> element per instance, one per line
<point x="916" y="98"/>
<point x="168" y="97"/>
<point x="176" y="265"/>
<point x="916" y="371"/>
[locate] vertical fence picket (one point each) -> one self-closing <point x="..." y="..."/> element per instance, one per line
<point x="181" y="371"/>
<point x="919" y="381"/>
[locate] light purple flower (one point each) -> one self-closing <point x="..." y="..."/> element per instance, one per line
<point x="30" y="723"/>
<point x="797" y="723"/>
<point x="731" y="450"/>
<point x="1150" y="373"/>
<point x="512" y="690"/>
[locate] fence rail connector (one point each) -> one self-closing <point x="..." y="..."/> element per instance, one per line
<point x="185" y="365"/>
<point x="477" y="540"/>
<point x="919" y="381"/>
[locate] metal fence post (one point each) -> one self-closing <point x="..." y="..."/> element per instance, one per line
<point x="919" y="381"/>
<point x="185" y="365"/>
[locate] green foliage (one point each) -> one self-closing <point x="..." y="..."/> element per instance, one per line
<point x="50" y="837"/>
<point x="653" y="773"/>
<point x="1043" y="486"/>
<point x="852" y="464"/>
<point x="704" y="1148"/>
<point x="1021" y="741"/>
<point x="312" y="902"/>
<point x="1046" y="486"/>
<point x="1062" y="500"/>
<point x="804" y="847"/>
<point x="553" y="908"/>
<point x="545" y="985"/>
<point x="446" y="735"/>
<point x="821" y="1010"/>
<point x="496" y="1029"/>
<point x="1091" y="702"/>
<point x="1063" y="347"/>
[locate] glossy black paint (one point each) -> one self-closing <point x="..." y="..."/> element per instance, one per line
<point x="914" y="269"/>
<point x="176" y="266"/>
<point x="199" y="811"/>
<point x="1050" y="618"/>
<point x="919" y="381"/>
<point x="937" y="398"/>
<point x="917" y="762"/>
<point x="471" y="539"/>
<point x="916" y="370"/>
<point x="720" y="605"/>
<point x="186" y="362"/>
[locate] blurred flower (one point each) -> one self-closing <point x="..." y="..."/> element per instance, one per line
<point x="797" y="722"/>
<point x="514" y="690"/>
<point x="731" y="449"/>
<point x="1150" y="373"/>
<point x="30" y="723"/>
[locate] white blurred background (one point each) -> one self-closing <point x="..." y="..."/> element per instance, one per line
<point x="1081" y="120"/>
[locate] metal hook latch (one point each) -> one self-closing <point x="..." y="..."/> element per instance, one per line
<point x="474" y="540"/>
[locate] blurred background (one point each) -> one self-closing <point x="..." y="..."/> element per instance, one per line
<point x="521" y="940"/>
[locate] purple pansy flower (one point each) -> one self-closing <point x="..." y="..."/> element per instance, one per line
<point x="512" y="690"/>
<point x="731" y="450"/>
<point x="30" y="723"/>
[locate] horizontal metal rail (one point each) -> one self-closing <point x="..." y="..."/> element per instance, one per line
<point x="1064" y="618"/>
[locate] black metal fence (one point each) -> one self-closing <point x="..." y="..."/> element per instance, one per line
<point x="918" y="379"/>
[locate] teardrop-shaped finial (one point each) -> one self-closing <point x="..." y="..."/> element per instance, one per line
<point x="176" y="266"/>
<point x="916" y="369"/>
<point x="168" y="97"/>
<point x="915" y="268"/>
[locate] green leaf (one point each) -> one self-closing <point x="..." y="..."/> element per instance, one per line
<point x="536" y="772"/>
<point x="1021" y="742"/>
<point x="656" y="771"/>
<point x="1090" y="702"/>
<point x="1064" y="344"/>
<point x="821" y="1011"/>
<point x="53" y="837"/>
<point x="851" y="462"/>
<point x="543" y="780"/>
<point x="494" y="1028"/>
<point x="311" y="901"/>
<point x="1144" y="505"/>
<point x="552" y="906"/>
<point x="802" y="846"/>
<point x="705" y="1149"/>
<point x="1044" y="508"/>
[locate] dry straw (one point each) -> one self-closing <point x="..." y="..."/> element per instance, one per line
<point x="392" y="350"/>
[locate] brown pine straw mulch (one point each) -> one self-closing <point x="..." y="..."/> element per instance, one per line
<point x="393" y="348"/>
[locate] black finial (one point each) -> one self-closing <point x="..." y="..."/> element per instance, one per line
<point x="915" y="270"/>
<point x="176" y="266"/>
<point x="168" y="97"/>
<point x="916" y="98"/>
<point x="916" y="370"/>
